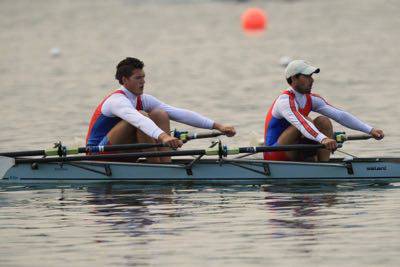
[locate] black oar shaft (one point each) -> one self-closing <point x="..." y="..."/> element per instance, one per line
<point x="109" y="148"/>
<point x="280" y="148"/>
<point x="118" y="156"/>
<point x="23" y="153"/>
<point x="221" y="151"/>
<point x="358" y="137"/>
<point x="70" y="151"/>
<point x="64" y="151"/>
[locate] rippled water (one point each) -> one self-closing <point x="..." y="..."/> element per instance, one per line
<point x="302" y="225"/>
<point x="196" y="57"/>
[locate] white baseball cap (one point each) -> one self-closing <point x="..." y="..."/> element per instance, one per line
<point x="299" y="67"/>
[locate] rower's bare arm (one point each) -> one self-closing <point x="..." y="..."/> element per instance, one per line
<point x="170" y="140"/>
<point x="378" y="134"/>
<point x="228" y="130"/>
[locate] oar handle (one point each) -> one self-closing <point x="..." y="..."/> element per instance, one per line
<point x="204" y="135"/>
<point x="342" y="137"/>
<point x="186" y="136"/>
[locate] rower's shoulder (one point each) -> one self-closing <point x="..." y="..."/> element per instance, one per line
<point x="117" y="94"/>
<point x="114" y="94"/>
<point x="151" y="97"/>
<point x="147" y="97"/>
<point x="318" y="99"/>
<point x="283" y="95"/>
<point x="282" y="101"/>
<point x="316" y="95"/>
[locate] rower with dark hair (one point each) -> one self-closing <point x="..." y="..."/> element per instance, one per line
<point x="129" y="116"/>
<point x="287" y="120"/>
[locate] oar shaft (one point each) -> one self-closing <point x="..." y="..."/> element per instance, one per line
<point x="220" y="151"/>
<point x="359" y="137"/>
<point x="23" y="153"/>
<point x="64" y="151"/>
<point x="118" y="156"/>
<point x="73" y="151"/>
<point x="280" y="148"/>
<point x="109" y="148"/>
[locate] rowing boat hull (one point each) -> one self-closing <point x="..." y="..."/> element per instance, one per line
<point x="210" y="171"/>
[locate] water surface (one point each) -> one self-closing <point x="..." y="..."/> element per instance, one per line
<point x="196" y="57"/>
<point x="345" y="225"/>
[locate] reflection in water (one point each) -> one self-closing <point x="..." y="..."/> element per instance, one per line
<point x="134" y="223"/>
<point x="130" y="209"/>
<point x="301" y="210"/>
<point x="126" y="209"/>
<point x="304" y="203"/>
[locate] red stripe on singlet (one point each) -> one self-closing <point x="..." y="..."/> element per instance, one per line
<point x="301" y="118"/>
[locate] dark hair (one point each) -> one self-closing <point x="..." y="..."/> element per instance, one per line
<point x="289" y="80"/>
<point x="126" y="66"/>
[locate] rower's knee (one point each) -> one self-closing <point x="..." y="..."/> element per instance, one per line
<point x="159" y="115"/>
<point x="124" y="126"/>
<point x="122" y="133"/>
<point x="289" y="136"/>
<point x="323" y="123"/>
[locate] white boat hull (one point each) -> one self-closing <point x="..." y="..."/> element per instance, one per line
<point x="227" y="171"/>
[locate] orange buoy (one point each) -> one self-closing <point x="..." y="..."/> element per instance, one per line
<point x="254" y="19"/>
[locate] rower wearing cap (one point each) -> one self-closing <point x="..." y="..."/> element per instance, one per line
<point x="129" y="116"/>
<point x="287" y="120"/>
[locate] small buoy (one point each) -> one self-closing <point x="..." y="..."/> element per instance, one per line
<point x="284" y="61"/>
<point x="55" y="52"/>
<point x="254" y="19"/>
